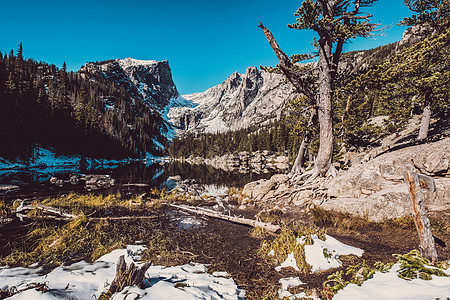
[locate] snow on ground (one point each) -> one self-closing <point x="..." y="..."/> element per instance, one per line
<point x="289" y="262"/>
<point x="389" y="286"/>
<point x="323" y="255"/>
<point x="84" y="280"/>
<point x="47" y="159"/>
<point x="287" y="283"/>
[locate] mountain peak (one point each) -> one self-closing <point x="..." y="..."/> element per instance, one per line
<point x="131" y="62"/>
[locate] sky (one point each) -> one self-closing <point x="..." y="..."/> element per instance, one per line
<point x="205" y="41"/>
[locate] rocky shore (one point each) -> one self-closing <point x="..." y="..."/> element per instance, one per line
<point x="372" y="189"/>
<point x="256" y="162"/>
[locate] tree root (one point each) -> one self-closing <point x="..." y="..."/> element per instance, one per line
<point x="311" y="176"/>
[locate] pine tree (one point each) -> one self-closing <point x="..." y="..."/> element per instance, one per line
<point x="335" y="22"/>
<point x="434" y="13"/>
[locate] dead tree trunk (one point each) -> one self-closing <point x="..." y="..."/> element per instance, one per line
<point x="297" y="168"/>
<point x="424" y="123"/>
<point x="415" y="183"/>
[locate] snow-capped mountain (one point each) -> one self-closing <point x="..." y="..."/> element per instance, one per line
<point x="240" y="101"/>
<point x="148" y="80"/>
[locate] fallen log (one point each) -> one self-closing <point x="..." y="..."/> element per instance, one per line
<point x="59" y="215"/>
<point x="239" y="220"/>
<point x="122" y="218"/>
<point x="135" y="185"/>
<point x="415" y="184"/>
<point x="51" y="211"/>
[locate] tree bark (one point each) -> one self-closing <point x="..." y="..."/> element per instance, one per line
<point x="415" y="182"/>
<point x="297" y="168"/>
<point x="325" y="154"/>
<point x="323" y="97"/>
<point x="424" y="123"/>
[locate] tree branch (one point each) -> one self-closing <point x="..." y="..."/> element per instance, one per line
<point x="286" y="66"/>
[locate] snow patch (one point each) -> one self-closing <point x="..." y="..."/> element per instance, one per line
<point x="286" y="284"/>
<point x="84" y="280"/>
<point x="323" y="255"/>
<point x="289" y="262"/>
<point x="389" y="286"/>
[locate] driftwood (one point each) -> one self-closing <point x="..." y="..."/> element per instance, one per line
<point x="130" y="276"/>
<point x="239" y="220"/>
<point x="416" y="182"/>
<point x="122" y="218"/>
<point x="59" y="215"/>
<point x="135" y="185"/>
<point x="51" y="212"/>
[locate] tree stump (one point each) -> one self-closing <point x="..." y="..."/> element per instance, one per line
<point x="417" y="182"/>
<point x="126" y="277"/>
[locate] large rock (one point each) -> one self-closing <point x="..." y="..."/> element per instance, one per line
<point x="260" y="189"/>
<point x="376" y="191"/>
<point x="377" y="174"/>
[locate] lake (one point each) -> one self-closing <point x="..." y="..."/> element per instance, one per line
<point x="35" y="181"/>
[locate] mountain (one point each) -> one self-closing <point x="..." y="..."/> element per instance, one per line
<point x="240" y="101"/>
<point x="257" y="96"/>
<point x="112" y="108"/>
<point x="147" y="80"/>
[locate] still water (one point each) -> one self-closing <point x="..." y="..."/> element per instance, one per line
<point x="153" y="174"/>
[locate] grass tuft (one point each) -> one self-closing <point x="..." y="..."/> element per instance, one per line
<point x="288" y="241"/>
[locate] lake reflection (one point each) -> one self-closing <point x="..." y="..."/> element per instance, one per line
<point x="153" y="173"/>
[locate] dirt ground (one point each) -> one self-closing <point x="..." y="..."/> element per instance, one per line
<point x="229" y="247"/>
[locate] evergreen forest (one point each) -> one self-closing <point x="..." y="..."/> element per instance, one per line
<point x="71" y="113"/>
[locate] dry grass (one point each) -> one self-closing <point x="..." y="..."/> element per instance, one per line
<point x="54" y="243"/>
<point x="324" y="218"/>
<point x="86" y="203"/>
<point x="274" y="216"/>
<point x="51" y="245"/>
<point x="259" y="233"/>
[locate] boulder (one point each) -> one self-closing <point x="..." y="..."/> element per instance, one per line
<point x="259" y="190"/>
<point x="377" y="174"/>
<point x="383" y="205"/>
<point x="376" y="191"/>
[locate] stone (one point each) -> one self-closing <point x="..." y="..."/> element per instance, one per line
<point x="376" y="191"/>
<point x="282" y="188"/>
<point x="302" y="197"/>
<point x="380" y="206"/>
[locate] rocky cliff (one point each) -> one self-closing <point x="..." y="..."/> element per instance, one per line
<point x="147" y="80"/>
<point x="241" y="100"/>
<point x="374" y="190"/>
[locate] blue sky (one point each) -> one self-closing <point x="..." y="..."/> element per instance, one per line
<point x="204" y="41"/>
